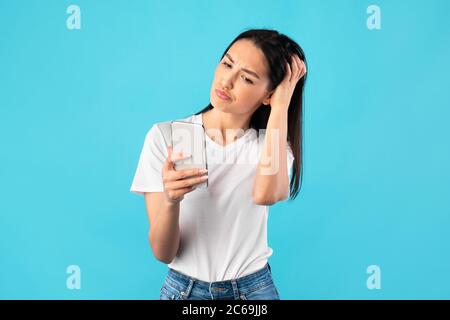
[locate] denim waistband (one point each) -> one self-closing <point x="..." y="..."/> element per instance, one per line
<point x="184" y="282"/>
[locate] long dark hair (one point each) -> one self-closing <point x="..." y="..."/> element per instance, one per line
<point x="278" y="48"/>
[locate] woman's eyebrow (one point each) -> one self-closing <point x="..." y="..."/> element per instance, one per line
<point x="243" y="69"/>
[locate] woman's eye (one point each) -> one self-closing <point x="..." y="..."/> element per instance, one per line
<point x="247" y="79"/>
<point x="243" y="77"/>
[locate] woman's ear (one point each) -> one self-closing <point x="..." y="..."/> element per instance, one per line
<point x="266" y="100"/>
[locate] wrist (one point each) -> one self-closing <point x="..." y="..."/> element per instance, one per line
<point x="279" y="109"/>
<point x="170" y="204"/>
<point x="279" y="114"/>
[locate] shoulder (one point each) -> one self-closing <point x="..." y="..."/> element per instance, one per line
<point x="160" y="125"/>
<point x="161" y="131"/>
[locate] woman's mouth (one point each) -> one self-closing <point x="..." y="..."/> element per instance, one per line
<point x="222" y="95"/>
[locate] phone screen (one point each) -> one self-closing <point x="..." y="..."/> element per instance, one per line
<point x="188" y="137"/>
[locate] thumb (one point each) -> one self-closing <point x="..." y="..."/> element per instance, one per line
<point x="169" y="162"/>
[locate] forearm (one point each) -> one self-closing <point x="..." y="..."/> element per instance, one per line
<point x="165" y="234"/>
<point x="272" y="180"/>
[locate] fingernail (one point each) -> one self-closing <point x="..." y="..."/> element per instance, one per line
<point x="203" y="170"/>
<point x="204" y="177"/>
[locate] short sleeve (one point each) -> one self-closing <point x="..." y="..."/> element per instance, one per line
<point x="148" y="176"/>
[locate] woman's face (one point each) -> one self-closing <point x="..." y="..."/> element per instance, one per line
<point x="242" y="75"/>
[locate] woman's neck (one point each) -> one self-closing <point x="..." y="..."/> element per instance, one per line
<point x="234" y="124"/>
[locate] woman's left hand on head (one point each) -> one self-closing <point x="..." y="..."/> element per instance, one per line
<point x="282" y="95"/>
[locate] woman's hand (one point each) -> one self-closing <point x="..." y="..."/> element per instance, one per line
<point x="178" y="183"/>
<point x="281" y="98"/>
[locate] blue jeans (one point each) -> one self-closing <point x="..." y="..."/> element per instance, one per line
<point x="256" y="286"/>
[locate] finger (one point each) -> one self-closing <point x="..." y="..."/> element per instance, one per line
<point x="180" y="184"/>
<point x="288" y="72"/>
<point x="295" y="68"/>
<point x="169" y="163"/>
<point x="177" y="155"/>
<point x="301" y="67"/>
<point x="172" y="157"/>
<point x="180" y="156"/>
<point x="190" y="189"/>
<point x="183" y="191"/>
<point x="183" y="174"/>
<point x="174" y="175"/>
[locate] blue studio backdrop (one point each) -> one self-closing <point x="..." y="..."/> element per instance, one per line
<point x="81" y="82"/>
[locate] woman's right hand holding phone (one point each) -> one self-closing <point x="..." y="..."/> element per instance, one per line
<point x="178" y="183"/>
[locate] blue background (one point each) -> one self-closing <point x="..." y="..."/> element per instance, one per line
<point x="75" y="106"/>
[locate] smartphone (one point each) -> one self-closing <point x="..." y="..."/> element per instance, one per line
<point x="188" y="137"/>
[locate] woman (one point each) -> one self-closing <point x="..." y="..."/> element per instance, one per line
<point x="214" y="240"/>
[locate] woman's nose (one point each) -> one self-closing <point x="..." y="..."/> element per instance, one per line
<point x="227" y="82"/>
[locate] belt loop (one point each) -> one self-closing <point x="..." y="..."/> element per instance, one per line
<point x="235" y="290"/>
<point x="210" y="291"/>
<point x="185" y="294"/>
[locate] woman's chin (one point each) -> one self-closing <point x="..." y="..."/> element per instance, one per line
<point x="218" y="104"/>
<point x="221" y="107"/>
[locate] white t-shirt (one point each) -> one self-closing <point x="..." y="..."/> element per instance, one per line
<point x="223" y="233"/>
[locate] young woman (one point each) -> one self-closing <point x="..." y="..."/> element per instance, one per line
<point x="214" y="239"/>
